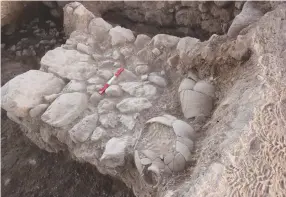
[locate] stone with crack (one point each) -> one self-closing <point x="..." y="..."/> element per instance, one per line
<point x="65" y="109"/>
<point x="25" y="91"/>
<point x="130" y="105"/>
<point x="83" y="130"/>
<point x="114" y="153"/>
<point x="120" y="35"/>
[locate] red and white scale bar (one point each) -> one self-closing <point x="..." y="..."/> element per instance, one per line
<point x="102" y="90"/>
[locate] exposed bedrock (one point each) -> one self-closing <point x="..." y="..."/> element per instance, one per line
<point x="184" y="118"/>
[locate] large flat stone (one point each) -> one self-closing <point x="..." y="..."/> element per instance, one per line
<point x="26" y="91"/>
<point x="69" y="64"/>
<point x="65" y="109"/>
<point x="133" y="105"/>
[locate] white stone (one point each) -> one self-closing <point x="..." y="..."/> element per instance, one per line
<point x="186" y="45"/>
<point x="165" y="40"/>
<point x="247" y="16"/>
<point x="74" y="86"/>
<point x="69" y="64"/>
<point x="133" y="105"/>
<point x="51" y="98"/>
<point x="38" y="110"/>
<point x="105" y="106"/>
<point x="205" y="88"/>
<point x="114" y="153"/>
<point x="65" y="109"/>
<point x="120" y="35"/>
<point x="139" y="89"/>
<point x="105" y="74"/>
<point x="125" y="76"/>
<point x="128" y="121"/>
<point x="141" y="41"/>
<point x="195" y="104"/>
<point x="83" y="48"/>
<point x="144" y="77"/>
<point x="160" y="81"/>
<point x="162" y="120"/>
<point x="183" y="129"/>
<point x="96" y="80"/>
<point x="109" y="120"/>
<point x="83" y="130"/>
<point x="95" y="98"/>
<point x="98" y="134"/>
<point x="27" y="90"/>
<point x="142" y="69"/>
<point x="156" y="51"/>
<point x="114" y="91"/>
<point x="99" y="28"/>
<point x="186" y="84"/>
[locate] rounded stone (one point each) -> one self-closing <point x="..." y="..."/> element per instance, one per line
<point x="95" y="98"/>
<point x="98" y="134"/>
<point x="105" y="106"/>
<point x="114" y="91"/>
<point x="142" y="69"/>
<point x="133" y="105"/>
<point x="160" y="81"/>
<point x="105" y="74"/>
<point x="145" y="161"/>
<point x="188" y="142"/>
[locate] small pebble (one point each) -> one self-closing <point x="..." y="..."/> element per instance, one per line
<point x="52" y="24"/>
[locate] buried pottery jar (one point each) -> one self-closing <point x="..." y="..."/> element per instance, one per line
<point x="164" y="147"/>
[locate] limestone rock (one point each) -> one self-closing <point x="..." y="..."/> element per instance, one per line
<point x="74" y="86"/>
<point x="160" y="81"/>
<point x="120" y="35"/>
<point x="76" y="18"/>
<point x="38" y="110"/>
<point x="69" y="64"/>
<point x="96" y="80"/>
<point x="125" y="76"/>
<point x="195" y="104"/>
<point x="109" y="120"/>
<point x="141" y="41"/>
<point x="95" y="98"/>
<point x="65" y="109"/>
<point x="133" y="105"/>
<point x="205" y="88"/>
<point x="186" y="84"/>
<point x="247" y="16"/>
<point x="99" y="28"/>
<point x="105" y="106"/>
<point x="84" y="48"/>
<point x="164" y="40"/>
<point x="83" y="130"/>
<point x="25" y="91"/>
<point x="186" y="45"/>
<point x="128" y="121"/>
<point x="98" y="134"/>
<point x="105" y="74"/>
<point x="114" y="91"/>
<point x="139" y="89"/>
<point x="114" y="153"/>
<point x="142" y="69"/>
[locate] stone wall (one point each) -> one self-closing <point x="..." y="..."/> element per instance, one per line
<point x="155" y="127"/>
